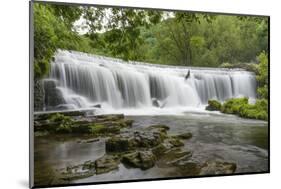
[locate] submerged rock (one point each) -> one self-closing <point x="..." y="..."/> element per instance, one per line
<point x="139" y="159"/>
<point x="88" y="140"/>
<point x="217" y="168"/>
<point x="164" y="127"/>
<point x="184" y="136"/>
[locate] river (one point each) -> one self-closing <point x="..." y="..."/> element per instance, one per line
<point x="215" y="137"/>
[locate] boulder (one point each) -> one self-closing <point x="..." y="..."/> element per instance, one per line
<point x="155" y="102"/>
<point x="119" y="144"/>
<point x="139" y="159"/>
<point x="131" y="140"/>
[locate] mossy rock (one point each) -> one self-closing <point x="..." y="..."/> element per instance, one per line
<point x="131" y="140"/>
<point x="213" y="105"/>
<point x="166" y="145"/>
<point x="107" y="163"/>
<point x="78" y="171"/>
<point x="175" y="142"/>
<point x="139" y="159"/>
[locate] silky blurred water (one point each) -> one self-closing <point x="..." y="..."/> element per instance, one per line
<point x="215" y="137"/>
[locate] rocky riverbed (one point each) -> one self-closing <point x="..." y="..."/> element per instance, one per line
<point x="80" y="147"/>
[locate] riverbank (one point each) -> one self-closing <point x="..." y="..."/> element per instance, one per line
<point x="153" y="147"/>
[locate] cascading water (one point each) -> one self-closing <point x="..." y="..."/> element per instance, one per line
<point x="86" y="80"/>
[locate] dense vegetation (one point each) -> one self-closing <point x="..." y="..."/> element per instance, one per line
<point x="181" y="38"/>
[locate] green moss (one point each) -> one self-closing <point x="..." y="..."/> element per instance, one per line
<point x="240" y="107"/>
<point x="259" y="110"/>
<point x="213" y="105"/>
<point x="232" y="106"/>
<point x="64" y="123"/>
<point x="98" y="129"/>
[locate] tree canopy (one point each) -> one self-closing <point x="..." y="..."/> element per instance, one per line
<point x="162" y="37"/>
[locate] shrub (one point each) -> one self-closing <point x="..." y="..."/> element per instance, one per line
<point x="232" y="106"/>
<point x="240" y="107"/>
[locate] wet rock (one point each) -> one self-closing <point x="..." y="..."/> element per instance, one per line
<point x="119" y="144"/>
<point x="38" y="95"/>
<point x="76" y="122"/>
<point x="188" y="167"/>
<point x="140" y="159"/>
<point x="175" y="142"/>
<point x="174" y="157"/>
<point x="155" y="102"/>
<point x="129" y="122"/>
<point x="88" y="140"/>
<point x="184" y="136"/>
<point x="110" y="117"/>
<point x="131" y="140"/>
<point x="96" y="106"/>
<point x="46" y="115"/>
<point x="162" y="148"/>
<point x="164" y="127"/>
<point x="106" y="163"/>
<point x="53" y="96"/>
<point x="148" y="139"/>
<point x="78" y="171"/>
<point x="165" y="146"/>
<point x="217" y="168"/>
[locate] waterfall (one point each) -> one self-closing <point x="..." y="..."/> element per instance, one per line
<point x="86" y="80"/>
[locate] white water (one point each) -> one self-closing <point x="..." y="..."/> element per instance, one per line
<point x="87" y="80"/>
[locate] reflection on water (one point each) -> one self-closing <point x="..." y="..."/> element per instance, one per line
<point x="215" y="137"/>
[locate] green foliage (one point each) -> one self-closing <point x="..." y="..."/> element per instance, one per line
<point x="52" y="31"/>
<point x="242" y="108"/>
<point x="256" y="111"/>
<point x="232" y="106"/>
<point x="180" y="38"/>
<point x="262" y="76"/>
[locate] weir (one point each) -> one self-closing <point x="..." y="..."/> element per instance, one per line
<point x="85" y="80"/>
